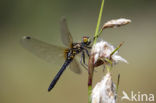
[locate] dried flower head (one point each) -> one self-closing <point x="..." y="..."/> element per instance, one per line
<point x="103" y="50"/>
<point x="116" y="23"/>
<point x="104" y="91"/>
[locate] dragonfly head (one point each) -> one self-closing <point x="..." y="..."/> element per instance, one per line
<point x="86" y="40"/>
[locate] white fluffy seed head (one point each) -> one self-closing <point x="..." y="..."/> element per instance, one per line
<point x="103" y="49"/>
<point x="104" y="91"/>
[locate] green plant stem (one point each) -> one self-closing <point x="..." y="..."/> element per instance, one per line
<point x="98" y="33"/>
<point x="117" y="87"/>
<point x="98" y="22"/>
<point x="116" y="49"/>
<point x="89" y="93"/>
<point x="95" y="38"/>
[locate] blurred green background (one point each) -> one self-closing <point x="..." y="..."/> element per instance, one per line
<point x="24" y="78"/>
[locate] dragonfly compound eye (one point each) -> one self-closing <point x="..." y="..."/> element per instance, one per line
<point x="85" y="39"/>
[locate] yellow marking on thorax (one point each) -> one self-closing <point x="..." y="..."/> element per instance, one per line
<point x="65" y="53"/>
<point x="74" y="52"/>
<point x="72" y="56"/>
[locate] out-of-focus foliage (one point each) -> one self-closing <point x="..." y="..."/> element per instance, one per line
<point x="24" y="78"/>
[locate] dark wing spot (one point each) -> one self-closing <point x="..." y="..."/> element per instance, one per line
<point x="27" y="37"/>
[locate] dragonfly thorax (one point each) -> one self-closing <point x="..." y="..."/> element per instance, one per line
<point x="69" y="54"/>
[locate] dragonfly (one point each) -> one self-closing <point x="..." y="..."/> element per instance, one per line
<point x="49" y="52"/>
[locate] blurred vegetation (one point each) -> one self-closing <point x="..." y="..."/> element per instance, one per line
<point x="25" y="78"/>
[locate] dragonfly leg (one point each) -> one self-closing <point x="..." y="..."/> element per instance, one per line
<point x="87" y="55"/>
<point x="87" y="52"/>
<point x="89" y="47"/>
<point x="84" y="56"/>
<point x="82" y="60"/>
<point x="83" y="63"/>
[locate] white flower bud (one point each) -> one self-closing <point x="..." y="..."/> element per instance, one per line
<point x="116" y="23"/>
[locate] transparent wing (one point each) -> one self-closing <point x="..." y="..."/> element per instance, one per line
<point x="65" y="34"/>
<point x="48" y="52"/>
<point x="75" y="67"/>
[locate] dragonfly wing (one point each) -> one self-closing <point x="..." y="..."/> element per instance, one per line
<point x="65" y="34"/>
<point x="48" y="52"/>
<point x="75" y="67"/>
